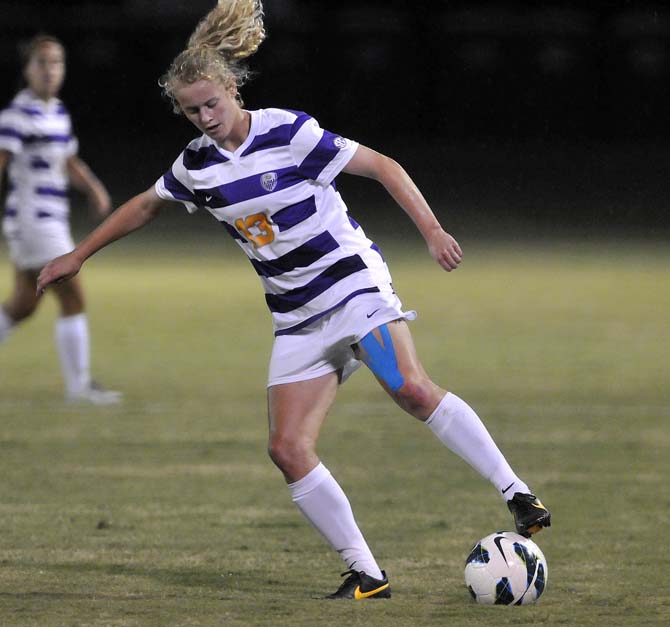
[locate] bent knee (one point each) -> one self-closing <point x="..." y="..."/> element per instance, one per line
<point x="288" y="454"/>
<point x="20" y="311"/>
<point x="417" y="396"/>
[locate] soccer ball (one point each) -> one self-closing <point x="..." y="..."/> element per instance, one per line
<point x="505" y="568"/>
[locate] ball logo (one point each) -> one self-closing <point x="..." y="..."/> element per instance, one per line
<point x="340" y="142"/>
<point x="269" y="181"/>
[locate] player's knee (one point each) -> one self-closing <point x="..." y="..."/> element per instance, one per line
<point x="286" y="452"/>
<point x="20" y="311"/>
<point x="415" y="396"/>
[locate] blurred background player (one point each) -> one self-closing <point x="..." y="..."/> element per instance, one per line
<point x="39" y="151"/>
<point x="268" y="176"/>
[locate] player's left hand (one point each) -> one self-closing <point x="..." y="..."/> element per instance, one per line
<point x="445" y="250"/>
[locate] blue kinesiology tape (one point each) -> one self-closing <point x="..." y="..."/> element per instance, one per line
<point x="381" y="358"/>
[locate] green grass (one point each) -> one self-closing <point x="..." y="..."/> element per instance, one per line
<point x="167" y="511"/>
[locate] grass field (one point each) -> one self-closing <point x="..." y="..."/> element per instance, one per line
<point x="167" y="511"/>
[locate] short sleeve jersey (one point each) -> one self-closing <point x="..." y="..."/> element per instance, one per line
<point x="275" y="195"/>
<point x="39" y="136"/>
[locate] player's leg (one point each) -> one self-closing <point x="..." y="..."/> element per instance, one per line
<point x="73" y="344"/>
<point x="296" y="412"/>
<point x="390" y="353"/>
<point x="72" y="338"/>
<point x="21" y="303"/>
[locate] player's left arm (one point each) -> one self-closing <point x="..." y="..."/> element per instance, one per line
<point x="83" y="179"/>
<point x="371" y="164"/>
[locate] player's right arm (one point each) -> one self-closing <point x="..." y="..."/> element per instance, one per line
<point x="129" y="217"/>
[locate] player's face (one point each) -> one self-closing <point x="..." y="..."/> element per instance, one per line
<point x="45" y="70"/>
<point x="213" y="110"/>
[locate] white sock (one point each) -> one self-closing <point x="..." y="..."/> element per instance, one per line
<point x="322" y="501"/>
<point x="6" y="325"/>
<point x="459" y="428"/>
<point x="72" y="341"/>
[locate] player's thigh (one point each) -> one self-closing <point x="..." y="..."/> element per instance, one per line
<point x="391" y="355"/>
<point x="297" y="410"/>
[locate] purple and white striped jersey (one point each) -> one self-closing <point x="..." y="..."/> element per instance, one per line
<point x="276" y="196"/>
<point x="39" y="136"/>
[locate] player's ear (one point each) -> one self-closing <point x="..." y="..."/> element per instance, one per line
<point x="231" y="86"/>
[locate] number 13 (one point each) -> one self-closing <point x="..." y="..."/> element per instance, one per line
<point x="256" y="229"/>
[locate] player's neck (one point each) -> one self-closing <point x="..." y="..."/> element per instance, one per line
<point x="239" y="132"/>
<point x="42" y="95"/>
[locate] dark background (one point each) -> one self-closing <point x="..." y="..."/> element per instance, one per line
<point x="515" y="118"/>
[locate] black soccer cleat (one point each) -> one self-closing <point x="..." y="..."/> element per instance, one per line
<point x="529" y="514"/>
<point x="358" y="585"/>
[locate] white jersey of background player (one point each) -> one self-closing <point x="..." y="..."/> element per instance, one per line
<point x="40" y="153"/>
<point x="309" y="361"/>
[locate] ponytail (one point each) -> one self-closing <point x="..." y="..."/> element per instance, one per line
<point x="230" y="33"/>
<point x="234" y="28"/>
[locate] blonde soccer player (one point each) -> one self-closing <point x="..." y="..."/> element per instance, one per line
<point x="268" y="176"/>
<point x="39" y="150"/>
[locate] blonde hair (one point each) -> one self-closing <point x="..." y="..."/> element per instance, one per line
<point x="231" y="32"/>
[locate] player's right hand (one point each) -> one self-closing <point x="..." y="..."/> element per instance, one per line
<point x="58" y="270"/>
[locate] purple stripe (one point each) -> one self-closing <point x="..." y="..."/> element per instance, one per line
<point x="288" y="301"/>
<point x="202" y="158"/>
<point x="29" y="111"/>
<point x="177" y="189"/>
<point x="10" y="212"/>
<point x="294" y="214"/>
<point x="51" y="191"/>
<point x="378" y="250"/>
<point x="48" y="215"/>
<point x="276" y="137"/>
<point x="45" y="139"/>
<point x="301" y="257"/>
<point x="353" y="222"/>
<point x="300" y="120"/>
<point x="233" y="232"/>
<point x="38" y="163"/>
<point x="344" y="301"/>
<point x="247" y="188"/>
<point x="6" y="131"/>
<point x="322" y="154"/>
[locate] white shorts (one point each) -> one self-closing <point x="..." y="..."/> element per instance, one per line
<point x="32" y="249"/>
<point x="326" y="345"/>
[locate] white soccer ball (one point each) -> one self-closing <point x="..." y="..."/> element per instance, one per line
<point x="505" y="568"/>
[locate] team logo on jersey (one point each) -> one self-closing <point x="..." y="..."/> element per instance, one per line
<point x="340" y="142"/>
<point x="269" y="181"/>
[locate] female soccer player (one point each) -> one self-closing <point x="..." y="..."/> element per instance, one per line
<point x="36" y="142"/>
<point x="267" y="175"/>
